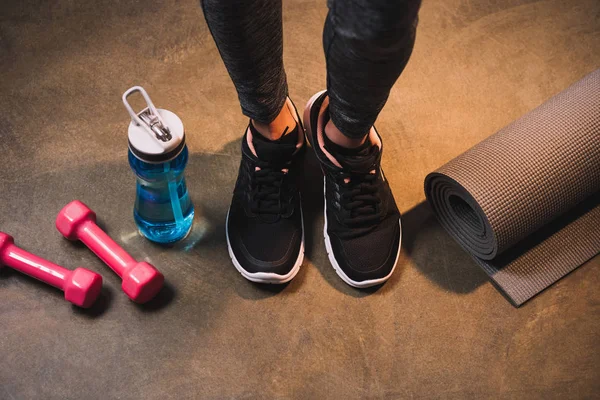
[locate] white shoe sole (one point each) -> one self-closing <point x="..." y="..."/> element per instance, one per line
<point x="266" y="277"/>
<point x="328" y="247"/>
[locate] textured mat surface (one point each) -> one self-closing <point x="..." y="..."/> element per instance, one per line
<point x="526" y="201"/>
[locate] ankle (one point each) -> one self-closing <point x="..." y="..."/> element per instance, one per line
<point x="284" y="122"/>
<point x="337" y="137"/>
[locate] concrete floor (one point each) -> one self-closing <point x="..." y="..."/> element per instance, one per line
<point x="437" y="329"/>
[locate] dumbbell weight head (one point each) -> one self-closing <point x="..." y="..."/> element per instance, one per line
<point x="83" y="287"/>
<point x="71" y="217"/>
<point x="142" y="282"/>
<point x="5" y="240"/>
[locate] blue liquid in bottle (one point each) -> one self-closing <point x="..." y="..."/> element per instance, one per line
<point x="163" y="210"/>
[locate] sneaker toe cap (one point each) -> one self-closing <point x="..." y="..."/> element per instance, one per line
<point x="266" y="247"/>
<point x="369" y="257"/>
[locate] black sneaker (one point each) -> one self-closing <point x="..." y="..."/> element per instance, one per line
<point x="362" y="222"/>
<point x="265" y="232"/>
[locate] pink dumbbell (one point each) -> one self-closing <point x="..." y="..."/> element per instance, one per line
<point x="141" y="281"/>
<point x="81" y="286"/>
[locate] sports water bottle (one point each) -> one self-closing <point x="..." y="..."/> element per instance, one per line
<point x="158" y="155"/>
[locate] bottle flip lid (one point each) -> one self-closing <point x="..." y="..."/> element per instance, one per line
<point x="155" y="135"/>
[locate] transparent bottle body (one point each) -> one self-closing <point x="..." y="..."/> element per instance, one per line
<point x="163" y="210"/>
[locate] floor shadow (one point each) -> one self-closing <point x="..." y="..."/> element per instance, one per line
<point x="101" y="305"/>
<point x="310" y="183"/>
<point x="161" y="300"/>
<point x="436" y="255"/>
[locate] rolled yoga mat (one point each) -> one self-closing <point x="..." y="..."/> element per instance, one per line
<point x="525" y="202"/>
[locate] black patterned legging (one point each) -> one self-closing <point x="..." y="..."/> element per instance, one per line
<point x="367" y="45"/>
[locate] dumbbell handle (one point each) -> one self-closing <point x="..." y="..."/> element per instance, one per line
<point x="104" y="247"/>
<point x="34" y="266"/>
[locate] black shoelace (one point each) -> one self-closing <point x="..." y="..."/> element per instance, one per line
<point x="268" y="190"/>
<point x="359" y="198"/>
